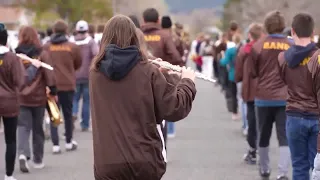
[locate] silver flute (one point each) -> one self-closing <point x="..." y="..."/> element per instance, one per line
<point x="176" y="68"/>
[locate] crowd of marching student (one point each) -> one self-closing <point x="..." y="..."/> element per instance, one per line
<point x="271" y="78"/>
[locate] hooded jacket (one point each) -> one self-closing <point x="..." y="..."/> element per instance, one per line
<point x="242" y="73"/>
<point x="33" y="93"/>
<point x="89" y="49"/>
<point x="12" y="78"/>
<point x="66" y="59"/>
<point x="161" y="43"/>
<point x="130" y="97"/>
<point x="301" y="99"/>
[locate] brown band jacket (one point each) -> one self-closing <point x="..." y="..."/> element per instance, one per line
<point x="243" y="74"/>
<point x="66" y="59"/>
<point x="160" y="43"/>
<point x="12" y="78"/>
<point x="34" y="93"/>
<point x="265" y="67"/>
<point x="302" y="101"/>
<point x="314" y="68"/>
<point x="127" y="138"/>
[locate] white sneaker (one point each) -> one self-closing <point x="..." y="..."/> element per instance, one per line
<point x="56" y="150"/>
<point x="23" y="162"/>
<point x="38" y="165"/>
<point x="72" y="146"/>
<point x="245" y="132"/>
<point x="9" y="178"/>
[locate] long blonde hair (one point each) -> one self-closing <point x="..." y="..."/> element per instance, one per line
<point x="121" y="32"/>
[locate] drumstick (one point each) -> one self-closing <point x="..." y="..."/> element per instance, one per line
<point x="25" y="57"/>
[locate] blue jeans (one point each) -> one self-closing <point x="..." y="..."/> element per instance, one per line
<point x="242" y="106"/>
<point x="302" y="139"/>
<point x="82" y="90"/>
<point x="171" y="128"/>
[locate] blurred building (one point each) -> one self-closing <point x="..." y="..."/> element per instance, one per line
<point x="14" y="16"/>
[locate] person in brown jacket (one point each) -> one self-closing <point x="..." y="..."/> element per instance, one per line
<point x="66" y="59"/>
<point x="159" y="41"/>
<point x="33" y="99"/>
<point x="12" y="78"/>
<point x="271" y="93"/>
<point x="302" y="107"/>
<point x="127" y="138"/>
<point x="242" y="74"/>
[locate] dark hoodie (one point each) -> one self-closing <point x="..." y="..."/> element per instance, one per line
<point x="301" y="101"/>
<point x="58" y="38"/>
<point x="33" y="93"/>
<point x="118" y="62"/>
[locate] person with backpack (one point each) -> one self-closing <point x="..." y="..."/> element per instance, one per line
<point x="89" y="49"/>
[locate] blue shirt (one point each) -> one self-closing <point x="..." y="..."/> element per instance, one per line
<point x="229" y="59"/>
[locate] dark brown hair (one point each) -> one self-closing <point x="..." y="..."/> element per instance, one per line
<point x="255" y="30"/>
<point x="60" y="27"/>
<point x="303" y="25"/>
<point x="100" y="28"/>
<point x="233" y="26"/>
<point x="274" y="22"/>
<point x="121" y="32"/>
<point x="29" y="36"/>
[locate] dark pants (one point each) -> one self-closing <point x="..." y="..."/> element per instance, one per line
<point x="10" y="130"/>
<point x="302" y="138"/>
<point x="231" y="97"/>
<point x="199" y="67"/>
<point x="252" y="125"/>
<point x="82" y="91"/>
<point x="165" y="132"/>
<point x="31" y="120"/>
<point x="215" y="69"/>
<point x="266" y="117"/>
<point x="65" y="102"/>
<point x="223" y="77"/>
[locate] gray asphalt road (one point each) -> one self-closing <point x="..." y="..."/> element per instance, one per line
<point x="208" y="146"/>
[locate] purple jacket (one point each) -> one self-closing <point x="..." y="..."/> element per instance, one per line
<point x="89" y="49"/>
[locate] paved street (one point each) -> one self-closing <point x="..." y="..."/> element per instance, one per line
<point x="208" y="146"/>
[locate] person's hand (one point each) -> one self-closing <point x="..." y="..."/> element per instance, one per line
<point x="188" y="73"/>
<point x="36" y="63"/>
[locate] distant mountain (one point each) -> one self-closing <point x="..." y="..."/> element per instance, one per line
<point x="176" y="6"/>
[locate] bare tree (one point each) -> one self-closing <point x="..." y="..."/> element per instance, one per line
<point x="247" y="11"/>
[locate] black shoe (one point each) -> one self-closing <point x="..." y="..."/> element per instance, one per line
<point x="265" y="174"/>
<point x="84" y="129"/>
<point x="282" y="178"/>
<point x="250" y="157"/>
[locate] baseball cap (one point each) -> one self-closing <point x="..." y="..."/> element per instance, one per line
<point x="82" y="26"/>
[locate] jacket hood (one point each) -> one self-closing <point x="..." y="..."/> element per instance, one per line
<point x="29" y="50"/>
<point x="248" y="47"/>
<point x="149" y="27"/>
<point x="296" y="54"/>
<point x="58" y="38"/>
<point x="118" y="62"/>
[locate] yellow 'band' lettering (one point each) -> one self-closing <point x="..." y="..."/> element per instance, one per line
<point x="275" y="45"/>
<point x="60" y="48"/>
<point x="155" y="38"/>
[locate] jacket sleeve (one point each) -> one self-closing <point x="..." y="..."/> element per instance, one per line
<point x="172" y="102"/>
<point x="227" y="58"/>
<point x="282" y="66"/>
<point x="19" y="73"/>
<point x="77" y="57"/>
<point x="314" y="68"/>
<point x="48" y="74"/>
<point x="239" y="65"/>
<point x="94" y="48"/>
<point x="171" y="51"/>
<point x="253" y="63"/>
